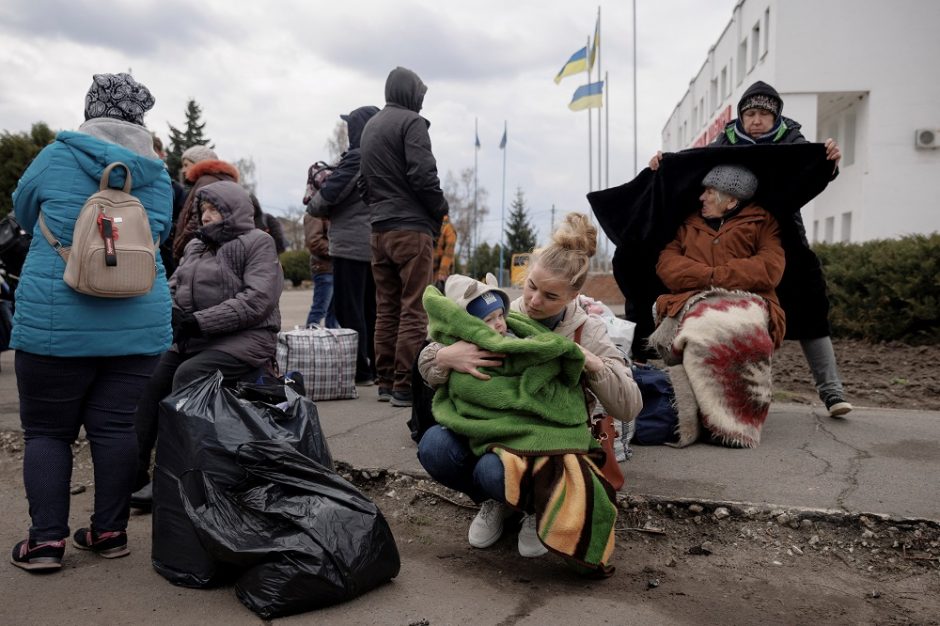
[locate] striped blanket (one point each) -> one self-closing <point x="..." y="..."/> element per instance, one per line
<point x="725" y="349"/>
<point x="574" y="507"/>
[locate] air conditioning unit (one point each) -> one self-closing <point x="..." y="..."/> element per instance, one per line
<point x="927" y="138"/>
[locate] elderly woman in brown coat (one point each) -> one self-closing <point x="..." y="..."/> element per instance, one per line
<point x="722" y="319"/>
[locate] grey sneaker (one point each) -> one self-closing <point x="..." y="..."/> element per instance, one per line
<point x="530" y="546"/>
<point x="385" y="394"/>
<point x="402" y="398"/>
<point x="487" y="527"/>
<point x="837" y="406"/>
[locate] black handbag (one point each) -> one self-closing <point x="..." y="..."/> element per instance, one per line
<point x="14" y="244"/>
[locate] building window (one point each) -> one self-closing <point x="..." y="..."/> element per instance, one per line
<point x="755" y="45"/>
<point x="847" y="227"/>
<point x="701" y="111"/>
<point x="713" y="94"/>
<point x="848" y="143"/>
<point x="724" y="82"/>
<point x="766" y="31"/>
<point x="742" y="60"/>
<point x="694" y="116"/>
<point x="815" y="231"/>
<point x="830" y="229"/>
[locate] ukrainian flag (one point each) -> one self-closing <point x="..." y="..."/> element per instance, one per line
<point x="577" y="63"/>
<point x="590" y="96"/>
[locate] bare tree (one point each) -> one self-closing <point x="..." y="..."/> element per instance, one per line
<point x="293" y="224"/>
<point x="338" y="142"/>
<point x="466" y="220"/>
<point x="247" y="174"/>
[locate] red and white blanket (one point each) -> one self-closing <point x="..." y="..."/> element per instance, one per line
<point x="725" y="349"/>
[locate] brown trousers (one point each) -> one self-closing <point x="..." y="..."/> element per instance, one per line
<point x="402" y="262"/>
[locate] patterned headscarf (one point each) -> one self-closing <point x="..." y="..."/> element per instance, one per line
<point x="118" y="96"/>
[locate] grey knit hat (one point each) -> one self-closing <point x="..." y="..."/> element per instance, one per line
<point x="199" y="153"/>
<point x="734" y="180"/>
<point x="118" y="96"/>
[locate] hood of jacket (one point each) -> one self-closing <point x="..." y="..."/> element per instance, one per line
<point x="212" y="166"/>
<point x="463" y="290"/>
<point x="763" y="89"/>
<point x="404" y="88"/>
<point x="132" y="136"/>
<point x="234" y="203"/>
<point x="356" y="121"/>
<point x="94" y="153"/>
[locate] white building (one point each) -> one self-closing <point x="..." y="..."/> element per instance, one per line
<point x="864" y="72"/>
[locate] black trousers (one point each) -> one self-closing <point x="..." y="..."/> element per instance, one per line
<point x="175" y="371"/>
<point x="354" y="305"/>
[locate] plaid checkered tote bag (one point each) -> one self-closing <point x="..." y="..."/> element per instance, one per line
<point x="325" y="356"/>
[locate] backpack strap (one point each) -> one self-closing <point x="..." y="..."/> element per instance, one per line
<point x="55" y="243"/>
<point x="106" y="177"/>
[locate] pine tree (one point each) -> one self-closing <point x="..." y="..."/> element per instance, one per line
<point x="520" y="236"/>
<point x="181" y="140"/>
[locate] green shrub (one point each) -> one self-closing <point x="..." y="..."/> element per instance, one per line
<point x="886" y="289"/>
<point x="296" y="264"/>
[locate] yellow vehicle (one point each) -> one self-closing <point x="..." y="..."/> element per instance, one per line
<point x="519" y="267"/>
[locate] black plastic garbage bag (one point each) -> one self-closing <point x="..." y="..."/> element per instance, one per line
<point x="307" y="537"/>
<point x="201" y="427"/>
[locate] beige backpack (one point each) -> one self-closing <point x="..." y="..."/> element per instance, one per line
<point x="113" y="252"/>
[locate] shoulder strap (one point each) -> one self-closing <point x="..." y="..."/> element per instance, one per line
<point x="577" y="333"/>
<point x="55" y="243"/>
<point x="106" y="177"/>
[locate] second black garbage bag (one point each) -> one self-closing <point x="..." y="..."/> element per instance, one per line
<point x="304" y="537"/>
<point x="202" y="426"/>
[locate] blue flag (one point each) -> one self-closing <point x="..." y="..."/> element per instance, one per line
<point x="590" y="96"/>
<point x="502" y="142"/>
<point x="577" y="63"/>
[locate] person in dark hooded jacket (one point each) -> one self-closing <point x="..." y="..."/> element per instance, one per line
<point x="350" y="244"/>
<point x="225" y="310"/>
<point x="802" y="291"/>
<point x="399" y="182"/>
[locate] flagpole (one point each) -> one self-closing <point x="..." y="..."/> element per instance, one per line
<point x="635" y="170"/>
<point x="473" y="236"/>
<point x="607" y="130"/>
<point x="587" y="66"/>
<point x="597" y="36"/>
<point x="606" y="151"/>
<point x="502" y="219"/>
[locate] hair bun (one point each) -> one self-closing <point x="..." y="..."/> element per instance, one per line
<point x="576" y="234"/>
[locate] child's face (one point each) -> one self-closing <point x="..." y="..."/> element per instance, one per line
<point x="497" y="321"/>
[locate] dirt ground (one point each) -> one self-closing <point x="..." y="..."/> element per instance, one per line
<point x="891" y="375"/>
<point x="695" y="563"/>
<point x="699" y="565"/>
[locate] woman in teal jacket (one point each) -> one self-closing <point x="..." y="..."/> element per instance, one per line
<point x="83" y="360"/>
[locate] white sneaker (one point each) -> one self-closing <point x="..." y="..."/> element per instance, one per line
<point x="487" y="527"/>
<point x="530" y="545"/>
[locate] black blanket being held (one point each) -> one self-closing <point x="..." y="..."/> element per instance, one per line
<point x="643" y="215"/>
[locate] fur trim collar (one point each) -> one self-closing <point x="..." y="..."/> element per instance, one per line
<point x="211" y="166"/>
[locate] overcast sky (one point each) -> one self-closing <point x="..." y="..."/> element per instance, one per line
<point x="272" y="78"/>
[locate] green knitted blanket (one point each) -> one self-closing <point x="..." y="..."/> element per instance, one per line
<point x="534" y="402"/>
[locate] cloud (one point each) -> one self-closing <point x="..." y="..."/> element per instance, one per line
<point x="133" y="28"/>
